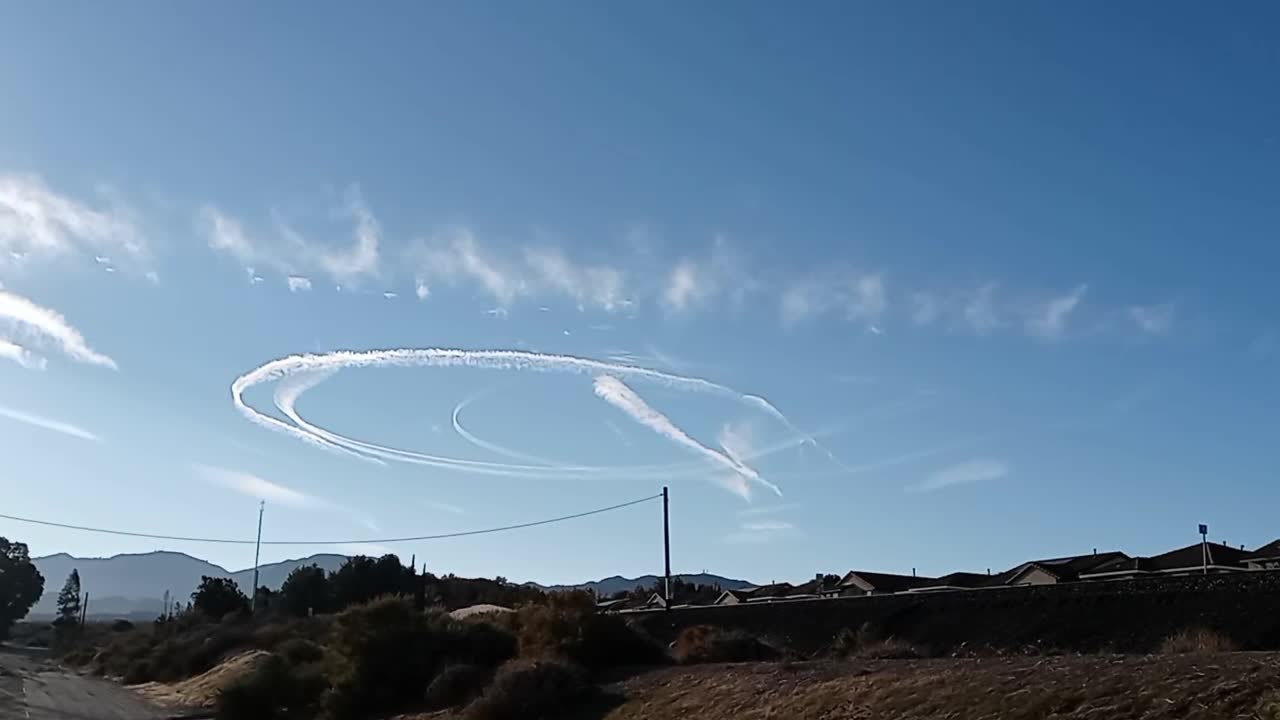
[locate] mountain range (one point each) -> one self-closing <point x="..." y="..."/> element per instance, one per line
<point x="133" y="586"/>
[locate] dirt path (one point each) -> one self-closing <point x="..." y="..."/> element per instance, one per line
<point x="33" y="689"/>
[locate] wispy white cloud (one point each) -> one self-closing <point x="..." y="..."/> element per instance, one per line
<point x="1049" y="320"/>
<point x="855" y="297"/>
<point x="970" y="471"/>
<point x="767" y="510"/>
<point x="695" y="282"/>
<point x="1153" y="319"/>
<point x="298" y="283"/>
<point x="390" y="295"/>
<point x="444" y="507"/>
<point x="45" y="423"/>
<point x="16" y="353"/>
<point x="454" y="256"/>
<point x="258" y="488"/>
<point x="980" y="312"/>
<point x="38" y="223"/>
<point x="28" y="322"/>
<point x="761" y="531"/>
<point x="421" y="289"/>
<point x="285" y="250"/>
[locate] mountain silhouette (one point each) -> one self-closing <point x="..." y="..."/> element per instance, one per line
<point x="134" y="585"/>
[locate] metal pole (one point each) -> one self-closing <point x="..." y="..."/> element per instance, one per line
<point x="84" y="609"/>
<point x="1204" y="551"/>
<point x="257" y="548"/>
<point x="666" y="543"/>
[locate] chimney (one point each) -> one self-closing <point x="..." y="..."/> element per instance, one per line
<point x="988" y="571"/>
<point x="913" y="572"/>
<point x="1095" y="551"/>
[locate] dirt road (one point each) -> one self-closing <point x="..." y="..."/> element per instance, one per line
<point x="31" y="688"/>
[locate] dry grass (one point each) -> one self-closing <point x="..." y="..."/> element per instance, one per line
<point x="202" y="690"/>
<point x="1161" y="687"/>
<point x="1197" y="640"/>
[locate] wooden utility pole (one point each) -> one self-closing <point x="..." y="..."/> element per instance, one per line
<point x="84" y="608"/>
<point x="666" y="544"/>
<point x="257" y="548"/>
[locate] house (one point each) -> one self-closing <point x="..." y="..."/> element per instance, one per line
<point x="807" y="591"/>
<point x="1063" y="569"/>
<point x="859" y="582"/>
<point x="630" y="604"/>
<point x="956" y="581"/>
<point x="764" y="593"/>
<point x="1190" y="560"/>
<point x="1266" y="557"/>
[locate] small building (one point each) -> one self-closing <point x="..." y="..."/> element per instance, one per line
<point x="860" y="582"/>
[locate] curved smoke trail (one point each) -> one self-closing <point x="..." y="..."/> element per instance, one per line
<point x="299" y="373"/>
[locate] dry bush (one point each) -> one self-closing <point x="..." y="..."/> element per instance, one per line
<point x="568" y="627"/>
<point x="457" y="685"/>
<point x="530" y="690"/>
<point x="866" y="642"/>
<point x="711" y="644"/>
<point x="1197" y="640"/>
<point x="1268" y="706"/>
<point x="274" y="689"/>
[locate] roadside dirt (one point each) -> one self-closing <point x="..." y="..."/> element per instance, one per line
<point x="1228" y="685"/>
<point x="202" y="690"/>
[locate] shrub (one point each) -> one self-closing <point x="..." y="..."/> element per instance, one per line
<point x="708" y="644"/>
<point x="568" y="627"/>
<point x="1197" y="640"/>
<point x="866" y="642"/>
<point x="121" y="626"/>
<point x="388" y="654"/>
<point x="273" y="689"/>
<point x="529" y="690"/>
<point x="483" y="643"/>
<point x="298" y="651"/>
<point x="456" y="685"/>
<point x="139" y="672"/>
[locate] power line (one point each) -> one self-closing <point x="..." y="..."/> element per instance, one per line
<point x="381" y="541"/>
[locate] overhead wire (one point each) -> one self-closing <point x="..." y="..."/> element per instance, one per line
<point x="378" y="541"/>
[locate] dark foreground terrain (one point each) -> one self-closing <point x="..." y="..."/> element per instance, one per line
<point x="1209" y="687"/>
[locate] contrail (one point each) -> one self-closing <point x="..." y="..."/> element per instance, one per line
<point x="616" y="393"/>
<point x="46" y="324"/>
<point x="22" y="356"/>
<point x="307" y="370"/>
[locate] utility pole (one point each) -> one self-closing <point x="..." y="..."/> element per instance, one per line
<point x="84" y="608"/>
<point x="257" y="548"/>
<point x="666" y="544"/>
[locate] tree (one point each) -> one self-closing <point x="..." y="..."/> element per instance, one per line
<point x="361" y="579"/>
<point x="305" y="591"/>
<point x="217" y="597"/>
<point x="21" y="584"/>
<point x="69" y="600"/>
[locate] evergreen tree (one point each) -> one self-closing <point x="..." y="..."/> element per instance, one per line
<point x="69" y="600"/>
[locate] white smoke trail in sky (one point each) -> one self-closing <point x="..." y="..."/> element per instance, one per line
<point x="298" y="373"/>
<point x="617" y="393"/>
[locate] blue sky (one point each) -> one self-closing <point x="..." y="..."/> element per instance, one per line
<point x="1012" y="266"/>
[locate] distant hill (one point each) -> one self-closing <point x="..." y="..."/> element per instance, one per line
<point x="617" y="583"/>
<point x="134" y="585"/>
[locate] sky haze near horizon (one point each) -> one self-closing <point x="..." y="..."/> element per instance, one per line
<point x="1012" y="266"/>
